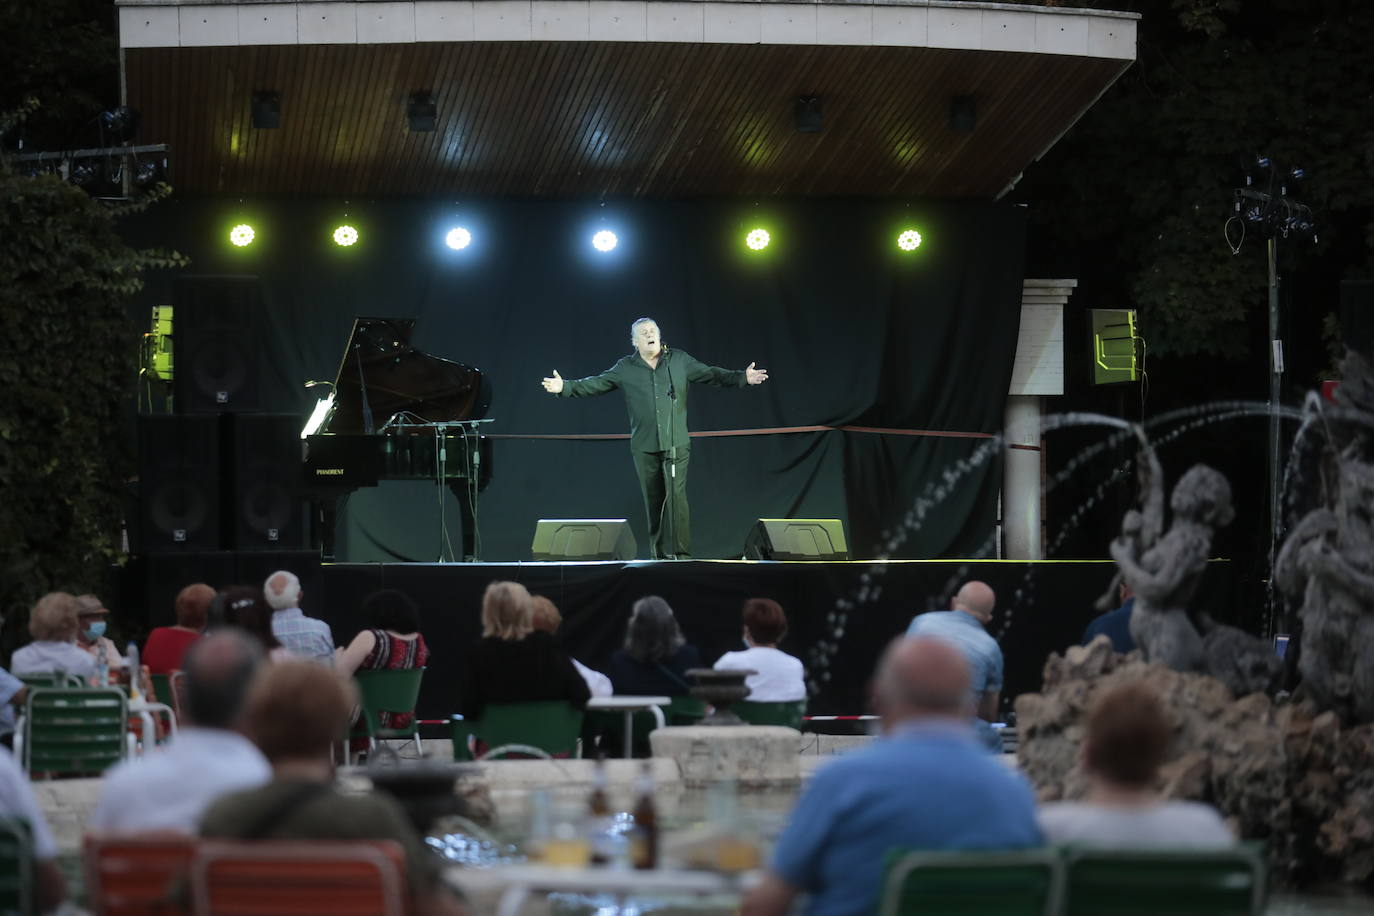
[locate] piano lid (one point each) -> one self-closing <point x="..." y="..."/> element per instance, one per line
<point x="399" y="377"/>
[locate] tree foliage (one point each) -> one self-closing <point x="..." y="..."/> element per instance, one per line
<point x="65" y="383"/>
<point x="1133" y="200"/>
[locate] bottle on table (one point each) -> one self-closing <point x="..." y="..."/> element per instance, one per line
<point x="102" y="670"/>
<point x="131" y="660"/>
<point x="599" y="820"/>
<point x="644" y="843"/>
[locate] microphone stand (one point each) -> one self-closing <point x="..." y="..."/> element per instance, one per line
<point x="671" y="480"/>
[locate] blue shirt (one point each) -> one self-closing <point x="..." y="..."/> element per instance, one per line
<point x="303" y="636"/>
<point x="930" y="786"/>
<point x="9" y="686"/>
<point x="981" y="650"/>
<point x="1117" y="625"/>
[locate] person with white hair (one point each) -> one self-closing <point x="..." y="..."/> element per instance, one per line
<point x="302" y="636"/>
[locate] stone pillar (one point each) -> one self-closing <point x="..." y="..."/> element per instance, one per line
<point x="1021" y="479"/>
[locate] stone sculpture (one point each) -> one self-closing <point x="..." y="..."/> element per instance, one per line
<point x="1165" y="574"/>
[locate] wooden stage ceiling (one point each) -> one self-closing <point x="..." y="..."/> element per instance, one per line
<point x="600" y="118"/>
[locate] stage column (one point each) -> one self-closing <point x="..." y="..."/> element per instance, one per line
<point x="1037" y="372"/>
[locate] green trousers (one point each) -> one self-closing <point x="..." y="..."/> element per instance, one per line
<point x="670" y="522"/>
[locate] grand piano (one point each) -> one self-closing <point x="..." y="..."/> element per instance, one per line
<point x="398" y="414"/>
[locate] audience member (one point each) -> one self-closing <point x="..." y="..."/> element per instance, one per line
<point x="655" y="659"/>
<point x="547" y="620"/>
<point x="170" y="788"/>
<point x="513" y="663"/>
<point x="304" y="637"/>
<point x="53" y="624"/>
<point x="1115" y="625"/>
<point x="92" y="618"/>
<point x="245" y="609"/>
<point x="17" y="801"/>
<point x="391" y="642"/>
<point x="13" y="693"/>
<point x="1127" y="734"/>
<point x="296" y="712"/>
<point x="927" y="784"/>
<point x="964" y="625"/>
<point x="777" y="676"/>
<point x="163" y="651"/>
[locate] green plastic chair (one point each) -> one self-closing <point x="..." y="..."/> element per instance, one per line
<point x="1027" y="882"/>
<point x="16" y="866"/>
<point x="51" y="680"/>
<point x="392" y="690"/>
<point x="73" y="731"/>
<point x="787" y="714"/>
<point x="610" y="724"/>
<point x="540" y="729"/>
<point x="162" y="690"/>
<point x="1178" y="882"/>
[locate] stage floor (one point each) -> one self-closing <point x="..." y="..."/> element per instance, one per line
<point x="841" y="613"/>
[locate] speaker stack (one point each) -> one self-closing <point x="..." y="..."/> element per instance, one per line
<point x="219" y="481"/>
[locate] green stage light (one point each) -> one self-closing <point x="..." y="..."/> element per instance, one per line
<point x="242" y="235"/>
<point x="345" y="235"/>
<point x="757" y="239"/>
<point x="909" y="240"/>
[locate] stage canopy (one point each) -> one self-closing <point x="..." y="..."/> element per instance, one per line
<point x="624" y="98"/>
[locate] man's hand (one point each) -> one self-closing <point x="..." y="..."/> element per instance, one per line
<point x="555" y="384"/>
<point x="751" y="375"/>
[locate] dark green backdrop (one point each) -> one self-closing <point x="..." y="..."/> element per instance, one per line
<point x="851" y="331"/>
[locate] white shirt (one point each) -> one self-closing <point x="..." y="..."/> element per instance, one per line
<point x="49" y="657"/>
<point x="170" y="788"/>
<point x="16" y="800"/>
<point x="597" y="683"/>
<point x="1167" y="825"/>
<point x="779" y="678"/>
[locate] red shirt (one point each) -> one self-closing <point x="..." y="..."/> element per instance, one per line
<point x="165" y="648"/>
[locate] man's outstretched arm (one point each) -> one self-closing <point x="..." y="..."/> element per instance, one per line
<point x="697" y="371"/>
<point x="582" y="387"/>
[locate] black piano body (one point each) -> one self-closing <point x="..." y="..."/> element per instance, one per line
<point x="429" y="409"/>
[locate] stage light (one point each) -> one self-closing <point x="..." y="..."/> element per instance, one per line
<point x="242" y="235"/>
<point x="757" y="239"/>
<point x="909" y="240"/>
<point x="345" y="235"/>
<point x="458" y="238"/>
<point x="605" y="240"/>
<point x="85" y="172"/>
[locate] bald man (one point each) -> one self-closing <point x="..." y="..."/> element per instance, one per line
<point x="926" y="784"/>
<point x="965" y="625"/>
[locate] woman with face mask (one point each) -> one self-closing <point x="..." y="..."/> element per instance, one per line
<point x="91" y="617"/>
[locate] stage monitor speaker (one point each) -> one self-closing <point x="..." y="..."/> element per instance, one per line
<point x="796" y="539"/>
<point x="178" y="484"/>
<point x="262" y="467"/>
<point x="216" y="344"/>
<point x="583" y="539"/>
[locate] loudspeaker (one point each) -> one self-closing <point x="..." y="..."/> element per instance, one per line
<point x="178" y="474"/>
<point x="796" y="539"/>
<point x="161" y="576"/>
<point x="583" y="539"/>
<point x="1114" y="346"/>
<point x="262" y="470"/>
<point x="216" y="344"/>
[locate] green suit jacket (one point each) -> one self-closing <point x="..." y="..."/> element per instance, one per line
<point x="657" y="420"/>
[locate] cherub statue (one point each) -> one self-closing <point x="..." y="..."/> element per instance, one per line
<point x="1165" y="574"/>
<point x="1327" y="564"/>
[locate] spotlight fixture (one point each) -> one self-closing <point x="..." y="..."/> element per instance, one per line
<point x="149" y="172"/>
<point x="909" y="240"/>
<point x="458" y="238"/>
<point x="85" y="172"/>
<point x="757" y="239"/>
<point x="806" y="114"/>
<point x="267" y="110"/>
<point x="242" y="235"/>
<point x="605" y="240"/>
<point x="421" y="112"/>
<point x="120" y="123"/>
<point x="345" y="236"/>
<point x="963" y="114"/>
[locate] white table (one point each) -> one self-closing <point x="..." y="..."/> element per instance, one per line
<point x="518" y="881"/>
<point x="631" y="705"/>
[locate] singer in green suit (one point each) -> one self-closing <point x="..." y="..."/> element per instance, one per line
<point x="655" y="381"/>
